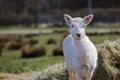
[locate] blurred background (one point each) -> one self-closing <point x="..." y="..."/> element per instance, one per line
<point x="32" y="31"/>
<point x="50" y="12"/>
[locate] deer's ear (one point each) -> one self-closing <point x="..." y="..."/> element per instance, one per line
<point x="68" y="19"/>
<point x="88" y="19"/>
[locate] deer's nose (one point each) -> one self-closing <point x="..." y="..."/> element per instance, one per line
<point x="78" y="34"/>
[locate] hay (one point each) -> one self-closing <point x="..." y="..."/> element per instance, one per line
<point x="55" y="72"/>
<point x="58" y="51"/>
<point x="31" y="52"/>
<point x="108" y="65"/>
<point x="51" y="41"/>
<point x="109" y="61"/>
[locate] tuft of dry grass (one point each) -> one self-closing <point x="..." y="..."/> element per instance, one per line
<point x="51" y="41"/>
<point x="15" y="45"/>
<point x="28" y="52"/>
<point x="109" y="61"/>
<point x="57" y="51"/>
<point x="55" y="72"/>
<point x="32" y="41"/>
<point x="1" y="48"/>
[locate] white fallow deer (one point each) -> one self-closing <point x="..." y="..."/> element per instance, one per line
<point x="79" y="52"/>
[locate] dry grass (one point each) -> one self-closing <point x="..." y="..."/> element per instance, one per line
<point x="108" y="66"/>
<point x="58" y="51"/>
<point x="55" y="72"/>
<point x="29" y="52"/>
<point x="109" y="61"/>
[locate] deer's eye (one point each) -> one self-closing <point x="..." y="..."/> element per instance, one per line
<point x="72" y="26"/>
<point x="83" y="26"/>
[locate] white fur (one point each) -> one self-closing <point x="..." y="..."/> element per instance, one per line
<point x="79" y="52"/>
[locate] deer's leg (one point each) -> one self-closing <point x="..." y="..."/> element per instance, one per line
<point x="78" y="77"/>
<point x="72" y="74"/>
<point x="89" y="77"/>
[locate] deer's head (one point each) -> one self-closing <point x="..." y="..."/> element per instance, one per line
<point x="77" y="25"/>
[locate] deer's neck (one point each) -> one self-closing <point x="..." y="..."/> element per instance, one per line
<point x="81" y="40"/>
<point x="80" y="44"/>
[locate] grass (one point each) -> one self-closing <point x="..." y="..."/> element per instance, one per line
<point x="101" y="38"/>
<point x="108" y="66"/>
<point x="18" y="65"/>
<point x="107" y="69"/>
<point x="11" y="61"/>
<point x="54" y="27"/>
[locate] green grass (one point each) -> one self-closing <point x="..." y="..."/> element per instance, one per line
<point x="33" y="28"/>
<point x="102" y="27"/>
<point x="18" y="65"/>
<point x="54" y="27"/>
<point x="11" y="60"/>
<point x="101" y="38"/>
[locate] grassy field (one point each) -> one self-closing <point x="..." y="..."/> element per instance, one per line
<point x="12" y="62"/>
<point x="107" y="69"/>
<point x="54" y="27"/>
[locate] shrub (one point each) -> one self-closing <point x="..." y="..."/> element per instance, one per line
<point x="32" y="41"/>
<point x="51" y="41"/>
<point x="15" y="42"/>
<point x="57" y="51"/>
<point x="30" y="35"/>
<point x="28" y="52"/>
<point x="0" y="51"/>
<point x="59" y="31"/>
<point x="4" y="38"/>
<point x="14" y="45"/>
<point x="17" y="38"/>
<point x="2" y="45"/>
